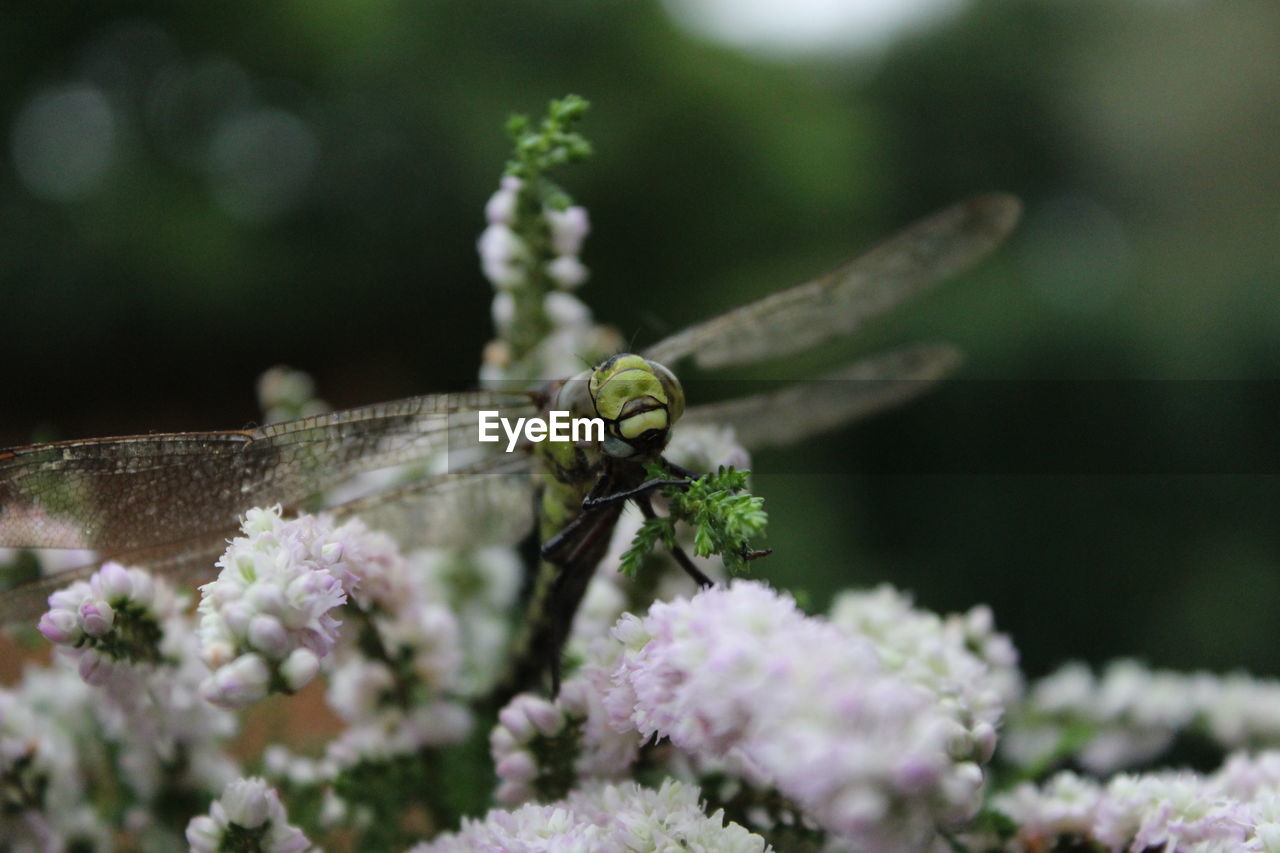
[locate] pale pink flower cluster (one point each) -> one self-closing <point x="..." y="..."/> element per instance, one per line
<point x="129" y="634"/>
<point x="625" y="818"/>
<point x="970" y="667"/>
<point x="525" y="722"/>
<point x="479" y="588"/>
<point x="399" y="701"/>
<point x="268" y="614"/>
<point x="62" y="740"/>
<point x="543" y="278"/>
<point x="797" y="703"/>
<point x="1235" y="809"/>
<point x="41" y="776"/>
<point x="247" y="808"/>
<point x="1135" y="712"/>
<point x="165" y="731"/>
<point x="505" y="257"/>
<point x="575" y="725"/>
<point x="113" y="619"/>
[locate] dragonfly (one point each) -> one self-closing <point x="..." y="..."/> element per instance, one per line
<point x="169" y="502"/>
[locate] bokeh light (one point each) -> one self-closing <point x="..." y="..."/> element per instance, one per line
<point x="63" y="142"/>
<point x="791" y="27"/>
<point x="260" y="163"/>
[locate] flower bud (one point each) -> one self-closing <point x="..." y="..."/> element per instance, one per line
<point x="267" y="635"/>
<point x="565" y="310"/>
<point x="568" y="272"/>
<point x="240" y="683"/>
<point x="204" y="835"/>
<point x="60" y="627"/>
<point x="94" y="668"/>
<point x="569" y="227"/>
<point x="144" y="587"/>
<point x="299" y="668"/>
<point x="247" y="802"/>
<point x="517" y="767"/>
<point x="96" y="617"/>
<point x="113" y="582"/>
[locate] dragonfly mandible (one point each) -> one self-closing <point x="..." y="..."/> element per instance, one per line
<point x="168" y="502"/>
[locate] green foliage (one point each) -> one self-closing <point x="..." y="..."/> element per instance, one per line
<point x="134" y="636"/>
<point x="995" y="822"/>
<point x="239" y="839"/>
<point x="23" y="567"/>
<point x="385" y="788"/>
<point x="555" y="757"/>
<point x="549" y="144"/>
<point x="724" y="515"/>
<point x="654" y="530"/>
<point x="538" y="149"/>
<point x="725" y="518"/>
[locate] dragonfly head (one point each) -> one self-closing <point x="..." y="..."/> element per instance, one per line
<point x="639" y="401"/>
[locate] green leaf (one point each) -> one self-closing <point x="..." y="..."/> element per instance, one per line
<point x="724" y="516"/>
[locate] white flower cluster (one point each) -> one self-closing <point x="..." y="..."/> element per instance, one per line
<point x="572" y="735"/>
<point x="1135" y="712"/>
<point x="395" y="677"/>
<point x="799" y="704"/>
<point x="1235" y="809"/>
<point x="166" y="733"/>
<point x="113" y="619"/>
<point x="706" y="447"/>
<point x="42" y="782"/>
<point x="248" y="816"/>
<point x="62" y="740"/>
<point x="480" y="588"/>
<point x="526" y="721"/>
<point x="285" y="394"/>
<point x="624" y="818"/>
<point x="505" y="257"/>
<point x="532" y="279"/>
<point x="129" y="634"/>
<point x="396" y="702"/>
<point x="267" y="615"/>
<point x="960" y="658"/>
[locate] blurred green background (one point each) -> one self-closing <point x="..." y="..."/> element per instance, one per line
<point x="191" y="193"/>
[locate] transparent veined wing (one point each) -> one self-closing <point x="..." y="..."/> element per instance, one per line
<point x="803" y="409"/>
<point x="489" y="502"/>
<point x="841" y="302"/>
<point x="119" y="494"/>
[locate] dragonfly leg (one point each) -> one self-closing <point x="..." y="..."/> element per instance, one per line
<point x="553" y="549"/>
<point x="640" y="491"/>
<point x="680" y="470"/>
<point x="646" y="508"/>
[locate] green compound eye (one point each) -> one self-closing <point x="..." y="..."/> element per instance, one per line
<point x="671" y="386"/>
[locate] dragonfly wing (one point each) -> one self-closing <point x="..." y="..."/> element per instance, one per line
<point x="117" y="494"/>
<point x="842" y="301"/>
<point x="183" y="563"/>
<point x="803" y="409"/>
<point x="487" y="503"/>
